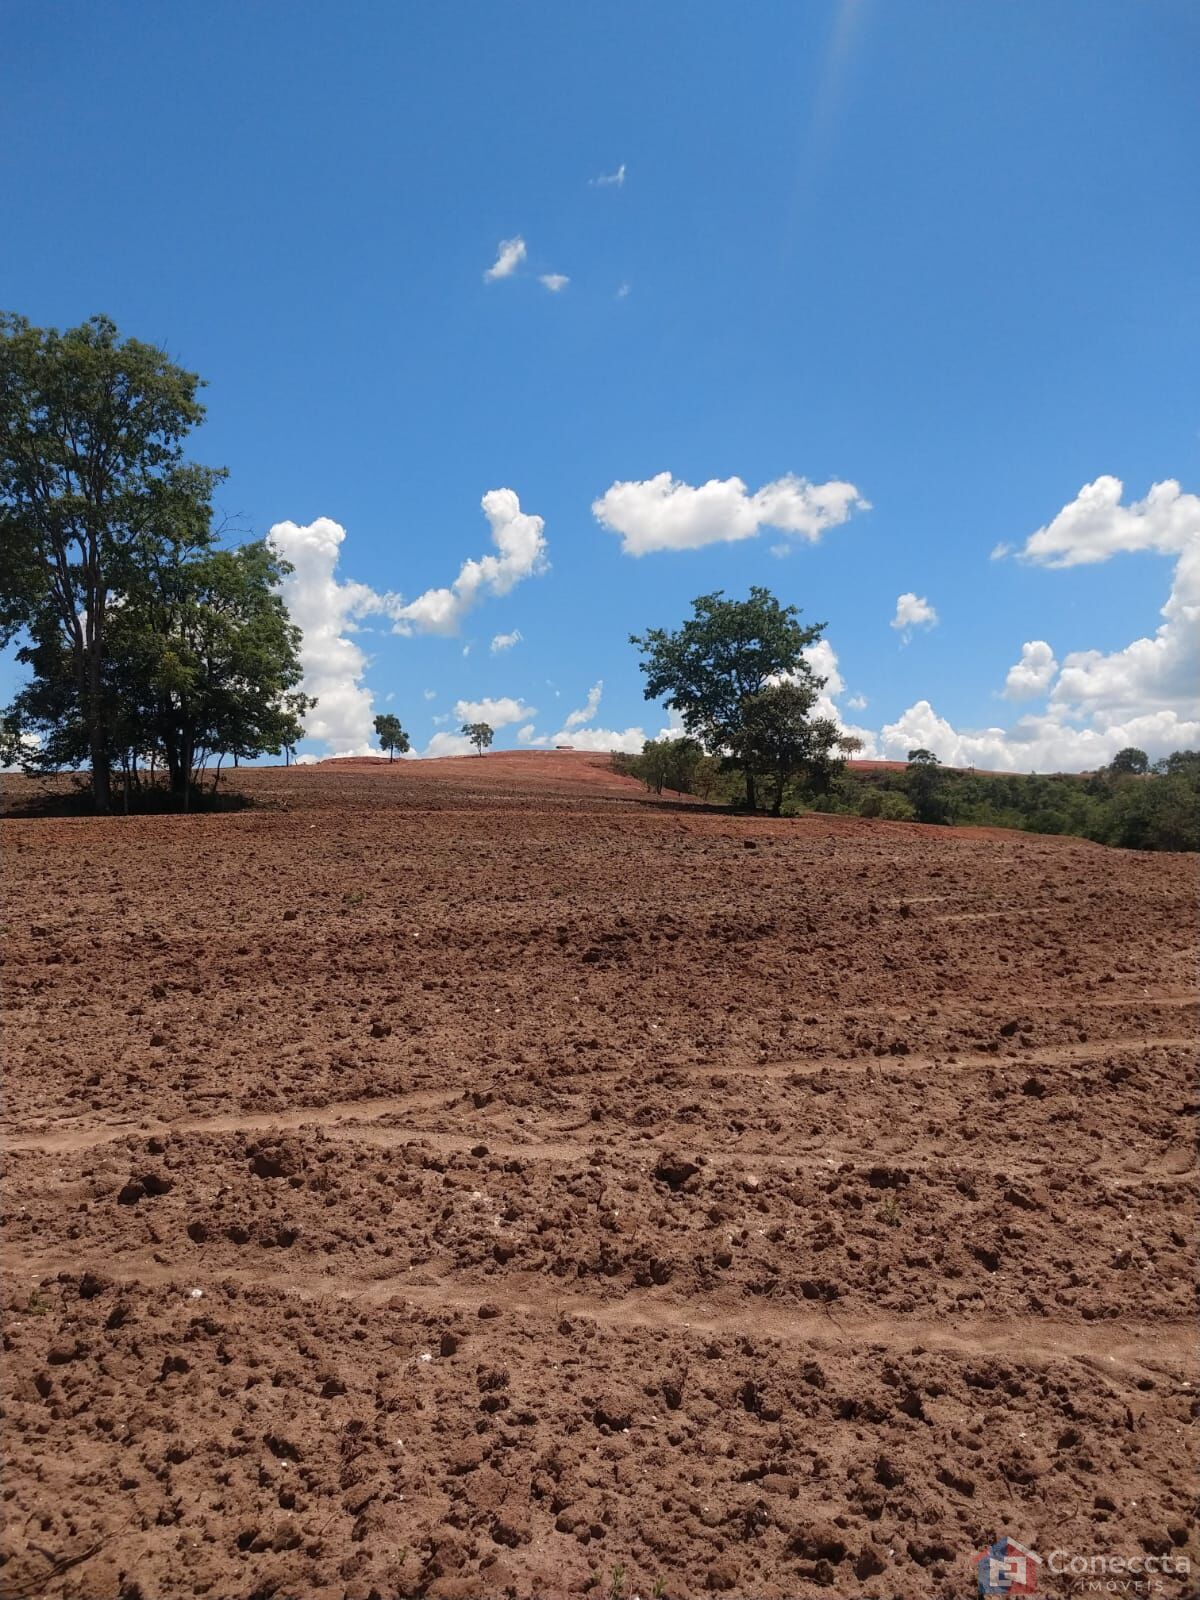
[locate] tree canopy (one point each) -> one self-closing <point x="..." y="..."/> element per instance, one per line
<point x="146" y="640"/>
<point x="391" y="735"/>
<point x="712" y="668"/>
<point x="783" y="741"/>
<point x="480" y="734"/>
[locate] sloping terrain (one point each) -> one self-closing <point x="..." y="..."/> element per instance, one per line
<point x="475" y="1177"/>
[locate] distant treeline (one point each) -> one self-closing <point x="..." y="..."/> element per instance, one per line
<point x="1133" y="802"/>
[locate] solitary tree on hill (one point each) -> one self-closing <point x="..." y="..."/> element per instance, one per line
<point x="480" y="735"/>
<point x="391" y="735"/>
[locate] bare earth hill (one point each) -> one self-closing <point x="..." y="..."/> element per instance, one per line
<point x="475" y="1177"/>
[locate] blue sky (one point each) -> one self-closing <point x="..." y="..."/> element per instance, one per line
<point x="944" y="255"/>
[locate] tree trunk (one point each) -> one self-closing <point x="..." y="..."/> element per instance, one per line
<point x="777" y="808"/>
<point x="97" y="751"/>
<point x="751" y="795"/>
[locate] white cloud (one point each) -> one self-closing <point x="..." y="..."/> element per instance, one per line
<point x="576" y="732"/>
<point x="857" y="702"/>
<point x="1046" y="743"/>
<point x="505" y="641"/>
<point x="630" y="740"/>
<point x="610" y="180"/>
<point x="1033" y="674"/>
<point x="431" y="694"/>
<point x="913" y="611"/>
<point x="1100" y="702"/>
<point x="587" y="711"/>
<point x="999" y="551"/>
<point x="822" y="658"/>
<point x="1148" y="675"/>
<point x="554" y="281"/>
<point x="509" y="256"/>
<point x="1095" y="525"/>
<point x="448" y="744"/>
<point x="325" y="610"/>
<point x="522" y="545"/>
<point x="661" y="513"/>
<point x="624" y="290"/>
<point x="497" y="713"/>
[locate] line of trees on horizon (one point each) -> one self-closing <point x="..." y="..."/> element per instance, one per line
<point x="1132" y="802"/>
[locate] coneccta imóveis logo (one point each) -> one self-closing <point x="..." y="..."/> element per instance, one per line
<point x="1006" y="1567"/>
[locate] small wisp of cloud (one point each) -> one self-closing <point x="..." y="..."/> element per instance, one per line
<point x="509" y="256"/>
<point x="556" y="282"/>
<point x="505" y="641"/>
<point x="913" y="611"/>
<point x="610" y="180"/>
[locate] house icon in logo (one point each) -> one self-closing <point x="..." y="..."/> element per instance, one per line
<point x="1006" y="1567"/>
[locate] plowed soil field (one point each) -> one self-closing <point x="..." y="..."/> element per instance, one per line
<point x="479" y="1178"/>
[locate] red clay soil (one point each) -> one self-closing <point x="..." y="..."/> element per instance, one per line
<point x="476" y="1178"/>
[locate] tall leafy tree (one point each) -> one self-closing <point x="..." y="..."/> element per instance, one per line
<point x="925" y="781"/>
<point x="711" y="669"/>
<point x="201" y="661"/>
<point x="93" y="487"/>
<point x="391" y="735"/>
<point x="480" y="734"/>
<point x="784" y="741"/>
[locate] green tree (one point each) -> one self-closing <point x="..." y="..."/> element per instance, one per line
<point x="711" y="668"/>
<point x="784" y="742"/>
<point x="480" y="735"/>
<point x="1130" y="762"/>
<point x="925" y="782"/>
<point x="201" y="661"/>
<point x="391" y="735"/>
<point x="668" y="764"/>
<point x="94" y="488"/>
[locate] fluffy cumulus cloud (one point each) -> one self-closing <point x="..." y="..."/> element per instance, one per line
<point x="1097" y="702"/>
<point x="822" y="658"/>
<point x="1033" y="674"/>
<point x="660" y="513"/>
<point x="509" y="255"/>
<point x="913" y="611"/>
<point x="505" y="641"/>
<point x="1095" y="525"/>
<point x="326" y="609"/>
<point x="577" y="733"/>
<point x="630" y="740"/>
<point x="448" y="744"/>
<point x="520" y="540"/>
<point x="496" y="713"/>
<point x="1158" y="674"/>
<point x="1041" y="743"/>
